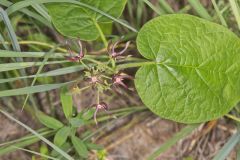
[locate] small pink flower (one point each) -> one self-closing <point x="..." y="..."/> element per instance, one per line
<point x="100" y="106"/>
<point x="94" y="80"/>
<point x="76" y="58"/>
<point x="111" y="49"/>
<point x="119" y="78"/>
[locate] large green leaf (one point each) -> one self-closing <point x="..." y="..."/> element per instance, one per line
<point x="193" y="73"/>
<point x="75" y="21"/>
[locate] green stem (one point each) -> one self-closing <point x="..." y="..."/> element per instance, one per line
<point x="113" y="63"/>
<point x="98" y="97"/>
<point x="99" y="63"/>
<point x="84" y="64"/>
<point x="101" y="33"/>
<point x="78" y="90"/>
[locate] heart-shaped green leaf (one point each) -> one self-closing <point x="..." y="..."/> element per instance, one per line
<point x="194" y="74"/>
<point x="75" y="21"/>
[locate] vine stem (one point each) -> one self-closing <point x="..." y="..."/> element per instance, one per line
<point x="78" y="90"/>
<point x="98" y="62"/>
<point x="101" y="33"/>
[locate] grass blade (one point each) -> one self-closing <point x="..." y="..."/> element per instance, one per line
<point x="22" y="142"/>
<point x="42" y="11"/>
<point x="38" y="72"/>
<point x="28" y="13"/>
<point x="236" y="11"/>
<point x="5" y="3"/>
<point x="198" y="7"/>
<point x="152" y="7"/>
<point x="8" y="54"/>
<point x="42" y="131"/>
<point x="31" y="90"/>
<point x="2" y="42"/>
<point x="5" y="150"/>
<point x="10" y="30"/>
<point x="166" y="6"/>
<point x="220" y="16"/>
<point x="20" y="65"/>
<point x="140" y="8"/>
<point x="57" y="72"/>
<point x="181" y="134"/>
<point x="228" y="147"/>
<point x="64" y="154"/>
<point x="36" y="153"/>
<point x="15" y="45"/>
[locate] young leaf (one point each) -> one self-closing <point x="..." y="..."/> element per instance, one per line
<point x="44" y="150"/>
<point x="49" y="121"/>
<point x="79" y="146"/>
<point x="193" y="71"/>
<point x="83" y="25"/>
<point x="67" y="103"/>
<point x="61" y="136"/>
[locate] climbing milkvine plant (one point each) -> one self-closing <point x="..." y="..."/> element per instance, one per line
<point x="190" y="74"/>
